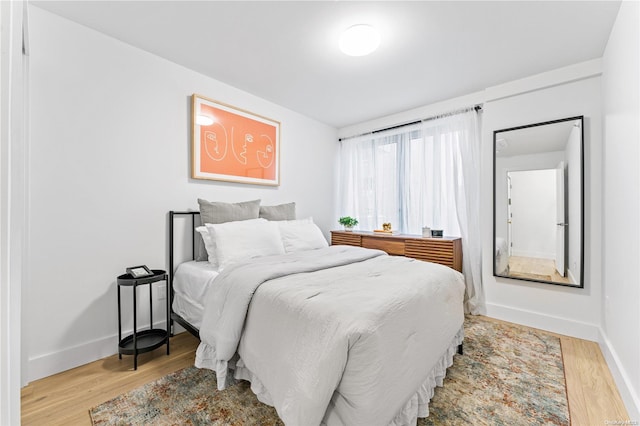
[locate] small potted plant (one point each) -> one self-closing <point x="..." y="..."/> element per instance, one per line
<point x="348" y="222"/>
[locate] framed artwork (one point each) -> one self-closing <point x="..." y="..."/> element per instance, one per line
<point x="233" y="145"/>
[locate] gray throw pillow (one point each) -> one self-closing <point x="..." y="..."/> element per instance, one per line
<point x="219" y="212"/>
<point x="280" y="212"/>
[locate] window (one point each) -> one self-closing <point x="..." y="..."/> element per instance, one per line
<point x="409" y="176"/>
<point x="420" y="175"/>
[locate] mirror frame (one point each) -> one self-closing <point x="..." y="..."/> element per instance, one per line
<point x="582" y="192"/>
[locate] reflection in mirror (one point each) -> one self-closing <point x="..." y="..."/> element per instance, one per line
<point x="538" y="202"/>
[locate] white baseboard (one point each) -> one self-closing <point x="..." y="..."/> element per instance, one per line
<point x="629" y="397"/>
<point x="66" y="359"/>
<point x="546" y="322"/>
<point x="56" y="362"/>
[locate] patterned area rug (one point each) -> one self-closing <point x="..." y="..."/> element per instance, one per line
<point x="507" y="376"/>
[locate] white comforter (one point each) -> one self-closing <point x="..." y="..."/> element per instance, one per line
<point x="332" y="345"/>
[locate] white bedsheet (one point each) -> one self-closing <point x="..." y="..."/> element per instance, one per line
<point x="190" y="284"/>
<point x="350" y="345"/>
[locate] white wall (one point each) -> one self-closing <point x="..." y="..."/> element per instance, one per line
<point x="571" y="311"/>
<point x="621" y="204"/>
<point x="110" y="153"/>
<point x="533" y="208"/>
<point x="546" y="160"/>
<point x="13" y="88"/>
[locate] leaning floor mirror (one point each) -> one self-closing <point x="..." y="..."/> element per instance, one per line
<point x="538" y="202"/>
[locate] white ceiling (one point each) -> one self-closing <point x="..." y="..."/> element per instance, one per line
<point x="286" y="52"/>
<point x="535" y="140"/>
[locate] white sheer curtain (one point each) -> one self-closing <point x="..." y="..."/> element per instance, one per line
<point x="370" y="182"/>
<point x="425" y="174"/>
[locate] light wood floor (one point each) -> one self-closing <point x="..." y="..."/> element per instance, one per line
<point x="536" y="268"/>
<point x="65" y="398"/>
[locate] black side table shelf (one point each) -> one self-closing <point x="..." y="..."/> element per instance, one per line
<point x="144" y="340"/>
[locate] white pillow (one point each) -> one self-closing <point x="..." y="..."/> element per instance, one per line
<point x="300" y="235"/>
<point x="209" y="245"/>
<point x="242" y="240"/>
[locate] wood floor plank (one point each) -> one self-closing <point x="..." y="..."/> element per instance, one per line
<point x="576" y="397"/>
<point x="65" y="398"/>
<point x="594" y="398"/>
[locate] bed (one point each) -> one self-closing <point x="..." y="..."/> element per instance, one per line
<point x="334" y="335"/>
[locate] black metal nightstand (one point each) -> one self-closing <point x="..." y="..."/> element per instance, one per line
<point x="145" y="340"/>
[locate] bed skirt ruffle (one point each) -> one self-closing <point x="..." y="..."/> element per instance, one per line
<point x="417" y="406"/>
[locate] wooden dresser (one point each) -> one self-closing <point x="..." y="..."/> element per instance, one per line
<point x="446" y="250"/>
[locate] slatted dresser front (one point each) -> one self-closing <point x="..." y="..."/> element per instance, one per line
<point x="445" y="250"/>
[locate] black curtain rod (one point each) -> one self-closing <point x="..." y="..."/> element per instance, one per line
<point x="476" y="108"/>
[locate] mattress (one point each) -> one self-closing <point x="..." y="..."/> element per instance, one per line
<point x="190" y="284"/>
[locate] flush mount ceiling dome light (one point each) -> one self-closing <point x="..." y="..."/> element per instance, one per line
<point x="359" y="40"/>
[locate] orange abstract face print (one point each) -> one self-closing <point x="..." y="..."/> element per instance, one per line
<point x="236" y="145"/>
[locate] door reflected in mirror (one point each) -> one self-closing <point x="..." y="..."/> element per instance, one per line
<point x="538" y="202"/>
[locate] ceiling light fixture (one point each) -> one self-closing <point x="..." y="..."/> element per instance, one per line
<point x="359" y="40"/>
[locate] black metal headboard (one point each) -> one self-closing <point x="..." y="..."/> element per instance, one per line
<point x="172" y="215"/>
<point x="194" y="240"/>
